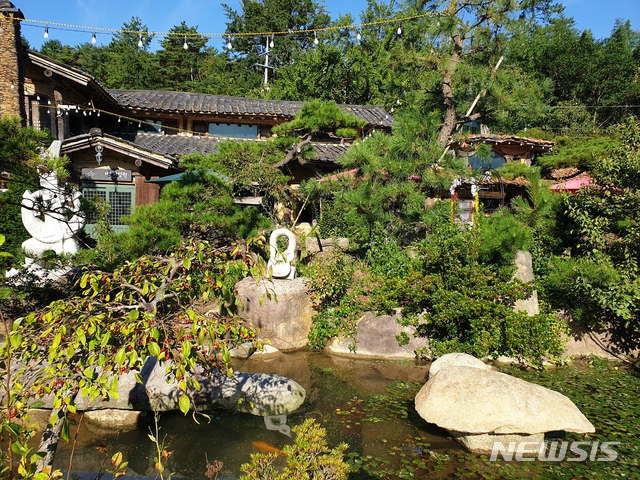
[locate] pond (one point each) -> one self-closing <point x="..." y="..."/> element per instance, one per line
<point x="367" y="404"/>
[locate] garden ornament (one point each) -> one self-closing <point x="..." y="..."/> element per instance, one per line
<point x="280" y="262"/>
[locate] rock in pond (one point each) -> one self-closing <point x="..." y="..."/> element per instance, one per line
<point x="480" y="406"/>
<point x="255" y="393"/>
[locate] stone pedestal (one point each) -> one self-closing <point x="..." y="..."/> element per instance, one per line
<point x="282" y="310"/>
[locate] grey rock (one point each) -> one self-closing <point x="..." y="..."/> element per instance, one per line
<point x="242" y="351"/>
<point x="524" y="273"/>
<point x="458" y="360"/>
<point x="473" y="401"/>
<point x="282" y="309"/>
<point x="255" y="393"/>
<point x="114" y="419"/>
<point x="376" y="338"/>
<point x="313" y="245"/>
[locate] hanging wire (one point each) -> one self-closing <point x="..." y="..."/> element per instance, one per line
<point x="74" y="27"/>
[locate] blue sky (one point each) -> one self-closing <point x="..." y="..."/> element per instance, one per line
<point x="160" y="15"/>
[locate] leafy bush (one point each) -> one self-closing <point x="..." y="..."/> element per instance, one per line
<point x="596" y="273"/>
<point x="308" y="457"/>
<point x="463" y="304"/>
<point x="199" y="207"/>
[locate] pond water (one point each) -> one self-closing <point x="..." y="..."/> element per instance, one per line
<point x="367" y="404"/>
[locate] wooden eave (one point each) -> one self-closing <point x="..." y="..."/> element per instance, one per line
<point x="123" y="147"/>
<point x="503" y="141"/>
<point x="75" y="75"/>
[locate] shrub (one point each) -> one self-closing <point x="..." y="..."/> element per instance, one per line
<point x="308" y="457"/>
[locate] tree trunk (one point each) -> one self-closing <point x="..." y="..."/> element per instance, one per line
<point x="50" y="438"/>
<point x="450" y="117"/>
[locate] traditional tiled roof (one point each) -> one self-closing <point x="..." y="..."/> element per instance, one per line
<point x="178" y="145"/>
<point x="231" y="107"/>
<point x="124" y="146"/>
<point x="175" y="145"/>
<point x="534" y="144"/>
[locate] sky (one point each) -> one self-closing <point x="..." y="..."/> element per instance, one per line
<point x="64" y="17"/>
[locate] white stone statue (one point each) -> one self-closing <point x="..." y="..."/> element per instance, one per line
<point x="51" y="216"/>
<point x="279" y="263"/>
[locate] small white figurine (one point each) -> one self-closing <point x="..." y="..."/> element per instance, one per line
<point x="279" y="263"/>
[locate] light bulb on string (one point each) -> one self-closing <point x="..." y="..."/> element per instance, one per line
<point x="271" y="44"/>
<point x="46" y="32"/>
<point x="38" y="97"/>
<point x="98" y="113"/>
<point x="119" y="119"/>
<point x="229" y="45"/>
<point x="315" y="38"/>
<point x="358" y="36"/>
<point x="399" y="31"/>
<point x="185" y="45"/>
<point x="93" y="38"/>
<point x="140" y="41"/>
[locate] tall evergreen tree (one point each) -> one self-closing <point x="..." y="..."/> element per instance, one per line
<point x="260" y="18"/>
<point x="180" y="66"/>
<point x="129" y="66"/>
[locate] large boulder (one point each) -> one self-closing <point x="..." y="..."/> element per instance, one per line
<point x="255" y="393"/>
<point x="376" y="337"/>
<point x="282" y="309"/>
<point x="456" y="359"/>
<point x="480" y="406"/>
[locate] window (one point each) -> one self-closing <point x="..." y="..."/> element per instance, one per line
<point x="121" y="201"/>
<point x="233" y="131"/>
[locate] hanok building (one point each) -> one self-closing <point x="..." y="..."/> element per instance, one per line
<point x="485" y="186"/>
<point x="118" y="141"/>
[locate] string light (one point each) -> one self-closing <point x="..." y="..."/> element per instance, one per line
<point x="185" y="45"/>
<point x="315" y="38"/>
<point x="46" y="32"/>
<point x="271" y="44"/>
<point x="229" y="45"/>
<point x="358" y="36"/>
<point x="93" y="38"/>
<point x="140" y="41"/>
<point x="68" y="26"/>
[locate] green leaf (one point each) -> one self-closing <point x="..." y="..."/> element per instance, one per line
<point x="120" y="356"/>
<point x="65" y="430"/>
<point x="16" y="340"/>
<point x="184" y="403"/>
<point x="154" y="349"/>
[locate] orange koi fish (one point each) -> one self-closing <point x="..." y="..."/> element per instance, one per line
<point x="266" y="448"/>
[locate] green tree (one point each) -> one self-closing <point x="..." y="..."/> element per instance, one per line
<point x="127" y="65"/>
<point x="597" y="276"/>
<point x="199" y="206"/>
<point x="19" y="155"/>
<point x="180" y="67"/>
<point x="258" y="18"/>
<point x="148" y="309"/>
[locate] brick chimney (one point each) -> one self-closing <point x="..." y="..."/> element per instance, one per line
<point x="11" y="73"/>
